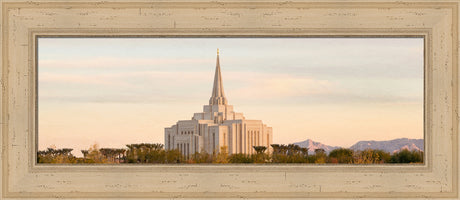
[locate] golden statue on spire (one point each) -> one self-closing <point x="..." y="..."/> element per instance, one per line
<point x="217" y="51"/>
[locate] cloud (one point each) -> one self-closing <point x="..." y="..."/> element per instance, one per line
<point x="124" y="87"/>
<point x="117" y="78"/>
<point x="265" y="85"/>
<point x="267" y="88"/>
<point x="246" y="87"/>
<point x="153" y="86"/>
<point x="75" y="79"/>
<point x="112" y="62"/>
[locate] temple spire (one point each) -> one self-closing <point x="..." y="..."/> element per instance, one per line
<point x="218" y="96"/>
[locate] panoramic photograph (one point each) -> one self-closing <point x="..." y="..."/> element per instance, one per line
<point x="230" y="100"/>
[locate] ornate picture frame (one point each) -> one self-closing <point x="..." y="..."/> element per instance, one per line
<point x="24" y="21"/>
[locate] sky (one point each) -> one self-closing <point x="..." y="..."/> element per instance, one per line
<point x="338" y="91"/>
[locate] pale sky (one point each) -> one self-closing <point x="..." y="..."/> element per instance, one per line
<point x="336" y="91"/>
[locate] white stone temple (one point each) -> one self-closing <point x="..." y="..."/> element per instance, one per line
<point x="217" y="126"/>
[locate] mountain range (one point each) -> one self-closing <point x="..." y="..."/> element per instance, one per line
<point x="391" y="146"/>
<point x="312" y="145"/>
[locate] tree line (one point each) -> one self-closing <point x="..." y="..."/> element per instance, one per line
<point x="155" y="153"/>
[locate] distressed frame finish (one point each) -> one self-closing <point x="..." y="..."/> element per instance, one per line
<point x="24" y="21"/>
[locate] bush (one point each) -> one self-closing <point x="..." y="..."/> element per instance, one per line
<point x="240" y="158"/>
<point x="406" y="156"/>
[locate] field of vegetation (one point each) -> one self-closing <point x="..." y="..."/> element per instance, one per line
<point x="155" y="153"/>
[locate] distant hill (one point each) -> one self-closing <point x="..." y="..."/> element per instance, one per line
<point x="391" y="146"/>
<point x="312" y="145"/>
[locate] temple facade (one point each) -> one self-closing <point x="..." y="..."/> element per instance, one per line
<point x="218" y="126"/>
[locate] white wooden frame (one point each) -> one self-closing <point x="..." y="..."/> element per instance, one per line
<point x="23" y="21"/>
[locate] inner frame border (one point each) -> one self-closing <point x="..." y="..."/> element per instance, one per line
<point x="427" y="95"/>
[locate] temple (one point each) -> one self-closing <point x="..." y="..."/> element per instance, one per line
<point x="218" y="126"/>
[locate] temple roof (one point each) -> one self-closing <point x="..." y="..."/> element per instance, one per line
<point x="218" y="96"/>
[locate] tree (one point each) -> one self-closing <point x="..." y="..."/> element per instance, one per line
<point x="85" y="153"/>
<point x="320" y="156"/>
<point x="131" y="154"/>
<point x="222" y="156"/>
<point x="341" y="155"/>
<point x="201" y="157"/>
<point x="370" y="156"/>
<point x="279" y="154"/>
<point x="155" y="156"/>
<point x="260" y="156"/>
<point x="120" y="155"/>
<point x="145" y="153"/>
<point x="289" y="154"/>
<point x="173" y="156"/>
<point x="259" y="149"/>
<point x="384" y="157"/>
<point x="95" y="156"/>
<point x="53" y="155"/>
<point x="406" y="156"/>
<point x="108" y="154"/>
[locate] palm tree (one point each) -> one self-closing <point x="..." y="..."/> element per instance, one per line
<point x="260" y="149"/>
<point x="85" y="153"/>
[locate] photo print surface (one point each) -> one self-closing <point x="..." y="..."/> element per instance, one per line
<point x="230" y="100"/>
